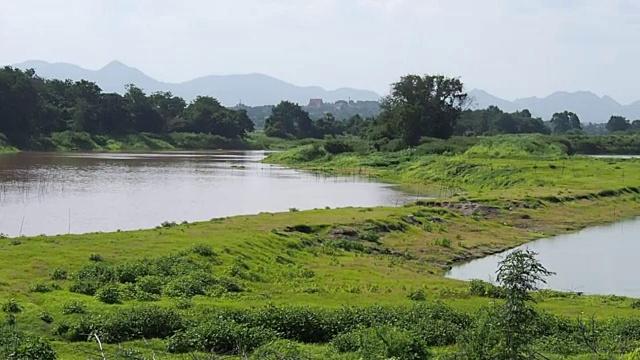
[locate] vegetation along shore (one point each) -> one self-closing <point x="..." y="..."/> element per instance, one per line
<point x="352" y="283"/>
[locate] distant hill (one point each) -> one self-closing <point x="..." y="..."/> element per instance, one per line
<point x="589" y="106"/>
<point x="251" y="89"/>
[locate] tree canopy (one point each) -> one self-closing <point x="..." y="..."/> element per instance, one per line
<point x="31" y="106"/>
<point x="421" y="106"/>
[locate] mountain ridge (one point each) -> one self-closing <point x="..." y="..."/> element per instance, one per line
<point x="252" y="89"/>
<point x="587" y="105"/>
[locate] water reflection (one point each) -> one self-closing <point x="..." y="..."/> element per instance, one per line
<point x="106" y="192"/>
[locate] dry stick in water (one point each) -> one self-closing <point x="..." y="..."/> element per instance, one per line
<point x="21" y="227"/>
<point x="69" y="230"/>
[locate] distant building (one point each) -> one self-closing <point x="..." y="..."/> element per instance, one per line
<point x="316" y="103"/>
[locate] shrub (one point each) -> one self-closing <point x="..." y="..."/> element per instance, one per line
<point x="203" y="250"/>
<point x="151" y="284"/>
<point x="109" y="294"/>
<point x="189" y="286"/>
<point x="382" y="342"/>
<point x="281" y="350"/>
<point x="146" y="322"/>
<point x="58" y="274"/>
<point x="85" y="287"/>
<point x="417" y="295"/>
<point x="33" y="347"/>
<point x="11" y="306"/>
<point x="46" y="317"/>
<point x="337" y="146"/>
<point x="485" y="289"/>
<point x="222" y="337"/>
<point x="43" y="288"/>
<point x="73" y="307"/>
<point x="95" y="258"/>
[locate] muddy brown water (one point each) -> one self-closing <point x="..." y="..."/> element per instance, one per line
<point x="59" y="193"/>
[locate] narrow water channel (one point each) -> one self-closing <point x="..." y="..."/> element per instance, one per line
<point x="598" y="260"/>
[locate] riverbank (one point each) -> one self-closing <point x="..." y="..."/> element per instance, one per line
<point x="323" y="258"/>
<point x="295" y="272"/>
<point x="81" y="141"/>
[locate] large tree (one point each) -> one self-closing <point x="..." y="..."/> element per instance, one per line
<point x="420" y="106"/>
<point x="289" y="120"/>
<point x="617" y="123"/>
<point x="564" y="122"/>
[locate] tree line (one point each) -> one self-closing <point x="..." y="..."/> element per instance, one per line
<point x="429" y="106"/>
<point x="31" y="105"/>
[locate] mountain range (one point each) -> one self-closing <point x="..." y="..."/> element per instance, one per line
<point x="260" y="89"/>
<point x="588" y="106"/>
<point x="250" y="89"/>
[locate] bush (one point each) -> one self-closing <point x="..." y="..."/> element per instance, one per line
<point x="485" y="289"/>
<point x="58" y="274"/>
<point x="417" y="295"/>
<point x="337" y="146"/>
<point x="147" y="322"/>
<point x="150" y="284"/>
<point x="109" y="294"/>
<point x="85" y="287"/>
<point x="43" y="288"/>
<point x="281" y="350"/>
<point x="203" y="250"/>
<point x="46" y="317"/>
<point x="382" y="342"/>
<point x="73" y="307"/>
<point x="223" y="337"/>
<point x="96" y="258"/>
<point x="33" y="347"/>
<point x="11" y="306"/>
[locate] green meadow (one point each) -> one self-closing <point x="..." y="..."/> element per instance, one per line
<point x="346" y="283"/>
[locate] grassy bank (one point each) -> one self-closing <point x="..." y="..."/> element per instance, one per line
<point x="498" y="168"/>
<point x="325" y="259"/>
<point x="332" y="283"/>
<point x="81" y="141"/>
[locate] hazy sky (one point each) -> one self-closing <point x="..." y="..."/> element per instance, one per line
<point x="511" y="48"/>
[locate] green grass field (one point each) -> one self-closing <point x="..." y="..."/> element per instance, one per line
<point x="323" y="259"/>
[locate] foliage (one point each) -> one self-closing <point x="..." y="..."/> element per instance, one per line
<point x="383" y="342"/>
<point x="73" y="307"/>
<point x="71" y="110"/>
<point x="109" y="294"/>
<point x="224" y="337"/>
<point x="420" y="106"/>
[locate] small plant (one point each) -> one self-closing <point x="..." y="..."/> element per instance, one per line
<point x="109" y="294"/>
<point x="15" y="242"/>
<point x="11" y="306"/>
<point x="96" y="258"/>
<point x="203" y="250"/>
<point x="168" y="224"/>
<point x="58" y="274"/>
<point x="73" y="307"/>
<point x="44" y="288"/>
<point x="417" y="295"/>
<point x="444" y="242"/>
<point x="46" y="317"/>
<point x="184" y="304"/>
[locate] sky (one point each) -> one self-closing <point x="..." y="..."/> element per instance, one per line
<point x="510" y="48"/>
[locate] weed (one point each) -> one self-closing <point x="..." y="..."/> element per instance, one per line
<point x="73" y="307"/>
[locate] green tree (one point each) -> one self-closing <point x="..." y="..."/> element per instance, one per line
<point x="289" y="120"/>
<point x="520" y="273"/>
<point x="618" y="123"/>
<point x="420" y="106"/>
<point x="564" y="122"/>
<point x="169" y="107"/>
<point x="145" y="118"/>
<point x="505" y="331"/>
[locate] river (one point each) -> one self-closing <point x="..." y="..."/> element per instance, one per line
<point x="596" y="260"/>
<point x="60" y="193"/>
